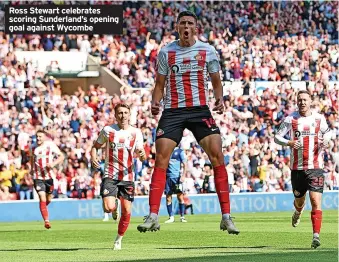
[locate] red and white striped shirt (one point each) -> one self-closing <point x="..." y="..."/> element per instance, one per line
<point x="42" y="155"/>
<point x="307" y="130"/>
<point x="186" y="70"/>
<point x="120" y="146"/>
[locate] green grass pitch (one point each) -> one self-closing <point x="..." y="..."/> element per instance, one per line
<point x="263" y="237"/>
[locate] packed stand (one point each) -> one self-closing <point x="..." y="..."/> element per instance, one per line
<point x="256" y="41"/>
<point x="29" y="101"/>
<point x="254" y="161"/>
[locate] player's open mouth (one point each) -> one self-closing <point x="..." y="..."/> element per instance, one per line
<point x="186" y="33"/>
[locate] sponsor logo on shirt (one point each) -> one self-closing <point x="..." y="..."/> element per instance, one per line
<point x="117" y="145"/>
<point x="298" y="134"/>
<point x="182" y="68"/>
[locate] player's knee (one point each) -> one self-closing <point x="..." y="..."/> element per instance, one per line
<point x="315" y="203"/>
<point x="161" y="160"/>
<point x="110" y="208"/>
<point x="217" y="158"/>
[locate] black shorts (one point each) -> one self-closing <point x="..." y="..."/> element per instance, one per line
<point x="117" y="188"/>
<point x="197" y="119"/>
<point x="44" y="185"/>
<point x="303" y="180"/>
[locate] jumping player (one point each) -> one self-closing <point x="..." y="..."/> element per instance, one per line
<point x="43" y="159"/>
<point x="309" y="134"/>
<point x="121" y="141"/>
<point x="184" y="66"/>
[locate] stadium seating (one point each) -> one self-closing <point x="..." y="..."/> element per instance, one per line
<point x="263" y="63"/>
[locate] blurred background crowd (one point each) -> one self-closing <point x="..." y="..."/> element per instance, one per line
<point x="256" y="41"/>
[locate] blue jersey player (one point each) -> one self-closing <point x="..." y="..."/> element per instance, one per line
<point x="174" y="183"/>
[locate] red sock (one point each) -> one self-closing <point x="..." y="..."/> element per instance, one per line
<point x="124" y="223"/>
<point x="157" y="189"/>
<point x="221" y="185"/>
<point x="299" y="209"/>
<point x="44" y="210"/>
<point x="316" y="217"/>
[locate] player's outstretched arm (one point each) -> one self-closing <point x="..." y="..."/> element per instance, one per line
<point x="141" y="154"/>
<point x="158" y="93"/>
<point x="218" y="92"/>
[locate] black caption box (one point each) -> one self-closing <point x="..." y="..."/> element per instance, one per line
<point x="64" y="19"/>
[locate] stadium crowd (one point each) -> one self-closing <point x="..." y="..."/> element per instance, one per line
<point x="256" y="41"/>
<point x="270" y="41"/>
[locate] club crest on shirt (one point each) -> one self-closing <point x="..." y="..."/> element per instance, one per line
<point x="106" y="192"/>
<point x="160" y="132"/>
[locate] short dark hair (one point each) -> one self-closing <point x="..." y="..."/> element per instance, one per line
<point x="187" y="13"/>
<point x="305" y="91"/>
<point x="121" y="105"/>
<point x="42" y="132"/>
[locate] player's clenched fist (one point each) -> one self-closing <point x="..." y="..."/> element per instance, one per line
<point x="295" y="144"/>
<point x="219" y="106"/>
<point x="155" y="109"/>
<point x="95" y="163"/>
<point x="324" y="143"/>
<point x="142" y="155"/>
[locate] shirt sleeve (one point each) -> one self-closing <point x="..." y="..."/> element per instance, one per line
<point x="325" y="130"/>
<point x="162" y="64"/>
<point x="324" y="126"/>
<point x="213" y="65"/>
<point x="284" y="128"/>
<point x="139" y="143"/>
<point x="183" y="156"/>
<point x="102" y="139"/>
<point x="55" y="149"/>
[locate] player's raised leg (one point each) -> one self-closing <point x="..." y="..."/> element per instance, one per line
<point x="213" y="147"/>
<point x="126" y="208"/>
<point x="109" y="204"/>
<point x="298" y="179"/>
<point x="180" y="196"/>
<point x="169" y="207"/>
<point x="299" y="204"/>
<point x="164" y="149"/>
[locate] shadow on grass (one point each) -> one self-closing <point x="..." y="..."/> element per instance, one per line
<point x="52" y="249"/>
<point x="21" y="231"/>
<point x="310" y="255"/>
<point x="208" y="247"/>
